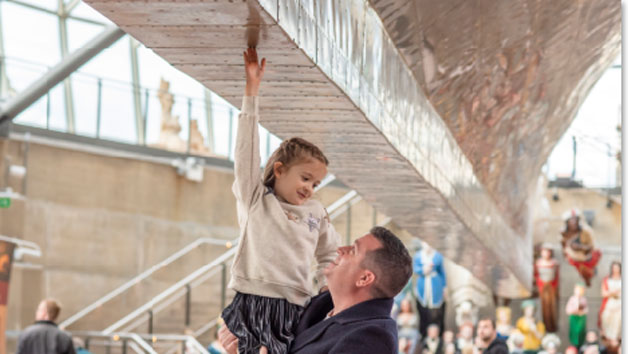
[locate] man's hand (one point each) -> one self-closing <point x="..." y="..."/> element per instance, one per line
<point x="228" y="340"/>
<point x="254" y="72"/>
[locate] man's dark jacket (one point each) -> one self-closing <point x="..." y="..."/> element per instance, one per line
<point x="44" y="337"/>
<point x="363" y="328"/>
<point x="497" y="346"/>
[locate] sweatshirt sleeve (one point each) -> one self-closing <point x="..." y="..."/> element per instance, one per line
<point x="326" y="249"/>
<point x="247" y="169"/>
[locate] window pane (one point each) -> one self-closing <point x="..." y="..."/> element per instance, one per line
<point x="45" y="4"/>
<point x="83" y="10"/>
<point x="118" y="119"/>
<point x="85" y="93"/>
<point x="29" y="33"/>
<point x="22" y="73"/>
<point x="80" y="33"/>
<point x="36" y="114"/>
<point x="221" y="125"/>
<point x="112" y="63"/>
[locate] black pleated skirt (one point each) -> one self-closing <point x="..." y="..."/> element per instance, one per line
<point x="262" y="321"/>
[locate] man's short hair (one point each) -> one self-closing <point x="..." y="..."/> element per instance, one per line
<point x="391" y="264"/>
<point x="52" y="309"/>
<point x="487" y="318"/>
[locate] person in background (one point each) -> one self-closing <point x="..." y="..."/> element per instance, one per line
<point x="577" y="310"/>
<point x="488" y="335"/>
<point x="44" y="336"/>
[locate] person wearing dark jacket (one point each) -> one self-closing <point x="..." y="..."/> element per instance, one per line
<point x="44" y="337"/>
<point x="354" y="315"/>
<point x="488" y="336"/>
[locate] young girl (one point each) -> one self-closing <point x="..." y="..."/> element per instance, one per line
<point x="282" y="230"/>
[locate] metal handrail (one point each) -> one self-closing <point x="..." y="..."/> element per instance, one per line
<point x="171" y="290"/>
<point x="116" y="337"/>
<point x="176" y="338"/>
<point x="172" y="258"/>
<point x="24" y="247"/>
<point x="176" y="296"/>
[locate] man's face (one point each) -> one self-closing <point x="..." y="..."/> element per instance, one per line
<point x="345" y="272"/>
<point x="42" y="312"/>
<point x="486" y="330"/>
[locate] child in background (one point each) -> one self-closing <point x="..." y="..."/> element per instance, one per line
<point x="282" y="231"/>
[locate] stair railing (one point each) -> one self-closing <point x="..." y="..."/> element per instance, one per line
<point x="142" y="276"/>
<point x="132" y="340"/>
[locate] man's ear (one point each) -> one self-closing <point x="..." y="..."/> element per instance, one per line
<point x="366" y="279"/>
<point x="278" y="168"/>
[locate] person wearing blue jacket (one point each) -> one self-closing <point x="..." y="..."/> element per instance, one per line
<point x="431" y="284"/>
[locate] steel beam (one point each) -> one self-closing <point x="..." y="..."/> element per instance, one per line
<point x="58" y="73"/>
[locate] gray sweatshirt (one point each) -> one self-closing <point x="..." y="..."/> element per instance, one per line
<point x="278" y="241"/>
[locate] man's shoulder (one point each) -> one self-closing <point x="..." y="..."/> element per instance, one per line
<point x="497" y="346"/>
<point x="44" y="327"/>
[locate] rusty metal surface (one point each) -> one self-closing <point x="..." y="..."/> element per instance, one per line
<point x="506" y="76"/>
<point x="337" y="78"/>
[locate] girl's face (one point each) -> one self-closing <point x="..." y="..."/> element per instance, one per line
<point x="546" y="254"/>
<point x="295" y="184"/>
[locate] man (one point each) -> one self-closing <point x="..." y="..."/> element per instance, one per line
<point x="488" y="337"/>
<point x="432" y="344"/>
<point x="354" y="315"/>
<point x="44" y="336"/>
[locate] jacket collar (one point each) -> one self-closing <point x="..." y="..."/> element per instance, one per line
<point x="46" y="322"/>
<point x="376" y="308"/>
<point x="371" y="309"/>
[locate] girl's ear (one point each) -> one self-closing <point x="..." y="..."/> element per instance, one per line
<point x="278" y="169"/>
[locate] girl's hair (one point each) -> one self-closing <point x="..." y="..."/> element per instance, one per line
<point x="291" y="151"/>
